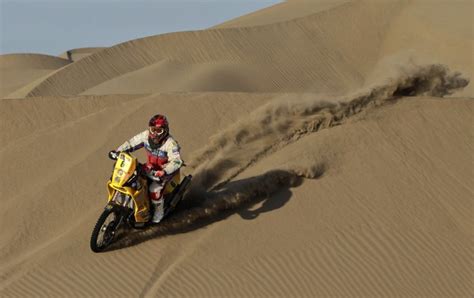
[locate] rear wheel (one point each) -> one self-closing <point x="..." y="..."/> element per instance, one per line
<point x="105" y="229"/>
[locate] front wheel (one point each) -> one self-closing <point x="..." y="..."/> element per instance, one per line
<point x="105" y="229"/>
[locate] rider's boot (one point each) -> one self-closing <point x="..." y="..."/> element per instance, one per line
<point x="159" y="212"/>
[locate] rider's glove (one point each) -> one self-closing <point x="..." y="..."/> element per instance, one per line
<point x="159" y="173"/>
<point x="113" y="154"/>
<point x="147" y="168"/>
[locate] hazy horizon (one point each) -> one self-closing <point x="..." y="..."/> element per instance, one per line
<point x="53" y="27"/>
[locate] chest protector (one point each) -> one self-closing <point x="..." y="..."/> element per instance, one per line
<point x="157" y="157"/>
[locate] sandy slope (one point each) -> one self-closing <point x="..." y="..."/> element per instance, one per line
<point x="390" y="216"/>
<point x="325" y="162"/>
<point x="367" y="231"/>
<point x="440" y="33"/>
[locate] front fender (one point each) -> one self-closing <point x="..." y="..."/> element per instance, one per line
<point x="139" y="197"/>
<point x="111" y="188"/>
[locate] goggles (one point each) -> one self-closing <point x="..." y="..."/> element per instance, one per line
<point x="157" y="131"/>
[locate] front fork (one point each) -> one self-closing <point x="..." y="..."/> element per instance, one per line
<point x="122" y="200"/>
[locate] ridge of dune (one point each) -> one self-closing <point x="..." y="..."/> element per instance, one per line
<point x="296" y="55"/>
<point x="17" y="70"/>
<point x="174" y="75"/>
<point x="31" y="61"/>
<point x="281" y="12"/>
<point x="79" y="53"/>
<point x="29" y="84"/>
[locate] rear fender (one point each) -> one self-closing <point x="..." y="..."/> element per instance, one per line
<point x="172" y="183"/>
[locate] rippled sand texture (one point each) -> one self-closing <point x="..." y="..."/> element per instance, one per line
<point x="330" y="143"/>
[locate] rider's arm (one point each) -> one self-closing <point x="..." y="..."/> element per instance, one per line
<point x="174" y="157"/>
<point x="134" y="143"/>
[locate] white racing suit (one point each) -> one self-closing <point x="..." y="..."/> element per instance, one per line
<point x="166" y="157"/>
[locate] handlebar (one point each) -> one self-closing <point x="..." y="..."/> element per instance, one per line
<point x="140" y="167"/>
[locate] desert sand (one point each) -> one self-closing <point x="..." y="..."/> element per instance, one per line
<point x="331" y="144"/>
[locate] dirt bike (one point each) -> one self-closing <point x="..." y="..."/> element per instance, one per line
<point x="128" y="203"/>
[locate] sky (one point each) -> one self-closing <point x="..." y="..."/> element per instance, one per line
<point x="53" y="27"/>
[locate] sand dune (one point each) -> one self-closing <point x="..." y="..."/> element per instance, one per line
<point x="326" y="161"/>
<point x="17" y="70"/>
<point x="306" y="53"/>
<point x="303" y="54"/>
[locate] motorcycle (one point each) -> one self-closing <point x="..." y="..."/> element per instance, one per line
<point x="128" y="202"/>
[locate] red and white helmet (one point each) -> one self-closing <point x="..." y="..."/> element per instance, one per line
<point x="158" y="128"/>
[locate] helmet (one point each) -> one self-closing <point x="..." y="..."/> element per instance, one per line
<point x="158" y="129"/>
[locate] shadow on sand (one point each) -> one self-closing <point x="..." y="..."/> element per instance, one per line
<point x="201" y="208"/>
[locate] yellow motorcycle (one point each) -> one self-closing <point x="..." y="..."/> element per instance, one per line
<point x="128" y="202"/>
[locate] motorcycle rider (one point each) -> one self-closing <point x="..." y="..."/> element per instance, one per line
<point x="164" y="160"/>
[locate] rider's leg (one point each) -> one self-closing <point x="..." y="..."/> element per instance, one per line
<point x="156" y="190"/>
